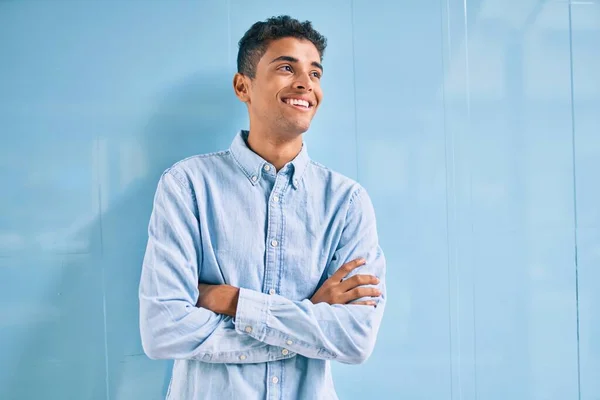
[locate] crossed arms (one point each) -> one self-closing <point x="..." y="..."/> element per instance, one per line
<point x="181" y="319"/>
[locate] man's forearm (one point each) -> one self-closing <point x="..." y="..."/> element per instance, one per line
<point x="221" y="299"/>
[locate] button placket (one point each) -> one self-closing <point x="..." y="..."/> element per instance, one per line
<point x="274" y="216"/>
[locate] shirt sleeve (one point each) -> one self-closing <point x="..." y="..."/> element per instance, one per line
<point x="344" y="332"/>
<point x="171" y="325"/>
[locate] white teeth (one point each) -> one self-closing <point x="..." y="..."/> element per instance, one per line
<point x="297" y="102"/>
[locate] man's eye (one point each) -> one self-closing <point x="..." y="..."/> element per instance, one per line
<point x="317" y="75"/>
<point x="286" y="68"/>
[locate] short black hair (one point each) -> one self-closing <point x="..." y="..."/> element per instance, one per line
<point x="253" y="45"/>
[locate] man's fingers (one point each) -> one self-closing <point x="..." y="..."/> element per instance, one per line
<point x="361" y="292"/>
<point x="347" y="268"/>
<point x="358" y="280"/>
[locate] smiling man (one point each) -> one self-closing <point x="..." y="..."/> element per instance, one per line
<point x="263" y="266"/>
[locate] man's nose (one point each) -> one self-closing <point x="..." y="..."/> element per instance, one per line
<point x="303" y="83"/>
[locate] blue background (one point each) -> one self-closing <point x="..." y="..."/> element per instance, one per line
<point x="473" y="124"/>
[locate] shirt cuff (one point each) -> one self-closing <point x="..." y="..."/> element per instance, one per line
<point x="265" y="354"/>
<point x="251" y="313"/>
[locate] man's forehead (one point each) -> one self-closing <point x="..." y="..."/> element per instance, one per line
<point x="303" y="50"/>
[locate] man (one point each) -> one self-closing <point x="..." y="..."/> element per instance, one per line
<point x="262" y="265"/>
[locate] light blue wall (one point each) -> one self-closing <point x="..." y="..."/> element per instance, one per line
<point x="475" y="126"/>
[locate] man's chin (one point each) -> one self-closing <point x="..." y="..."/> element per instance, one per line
<point x="293" y="127"/>
<point x="299" y="127"/>
<point x="298" y="130"/>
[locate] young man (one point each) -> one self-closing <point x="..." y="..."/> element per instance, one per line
<point x="262" y="265"/>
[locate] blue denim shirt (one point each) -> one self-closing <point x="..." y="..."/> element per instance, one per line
<point x="231" y="218"/>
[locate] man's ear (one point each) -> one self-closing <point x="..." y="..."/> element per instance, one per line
<point x="241" y="86"/>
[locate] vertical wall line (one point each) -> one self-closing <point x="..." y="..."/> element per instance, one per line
<point x="575" y="238"/>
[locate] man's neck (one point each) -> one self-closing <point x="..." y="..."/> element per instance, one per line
<point x="274" y="148"/>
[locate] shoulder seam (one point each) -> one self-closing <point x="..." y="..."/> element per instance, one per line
<point x="174" y="172"/>
<point x="356" y="193"/>
<point x="177" y="177"/>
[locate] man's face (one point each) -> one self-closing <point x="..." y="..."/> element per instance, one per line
<point x="286" y="91"/>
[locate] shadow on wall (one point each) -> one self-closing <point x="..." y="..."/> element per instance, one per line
<point x="97" y="327"/>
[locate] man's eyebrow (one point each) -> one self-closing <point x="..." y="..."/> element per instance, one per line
<point x="295" y="60"/>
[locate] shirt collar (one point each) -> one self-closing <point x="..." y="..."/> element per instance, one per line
<point x="252" y="164"/>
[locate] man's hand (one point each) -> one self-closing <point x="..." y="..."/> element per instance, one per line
<point x="336" y="291"/>
<point x="222" y="299"/>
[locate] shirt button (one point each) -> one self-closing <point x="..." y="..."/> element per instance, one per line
<point x="285" y="352"/>
<point x="289" y="342"/>
<point x="274" y="243"/>
<point x="248" y="329"/>
<point x="296" y="182"/>
<point x="254" y="178"/>
<point x="242" y="357"/>
<point x="271" y="291"/>
<point x="267" y="167"/>
<point x="276" y="199"/>
<point x="275" y="379"/>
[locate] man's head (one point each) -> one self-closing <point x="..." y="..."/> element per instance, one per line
<point x="279" y="73"/>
